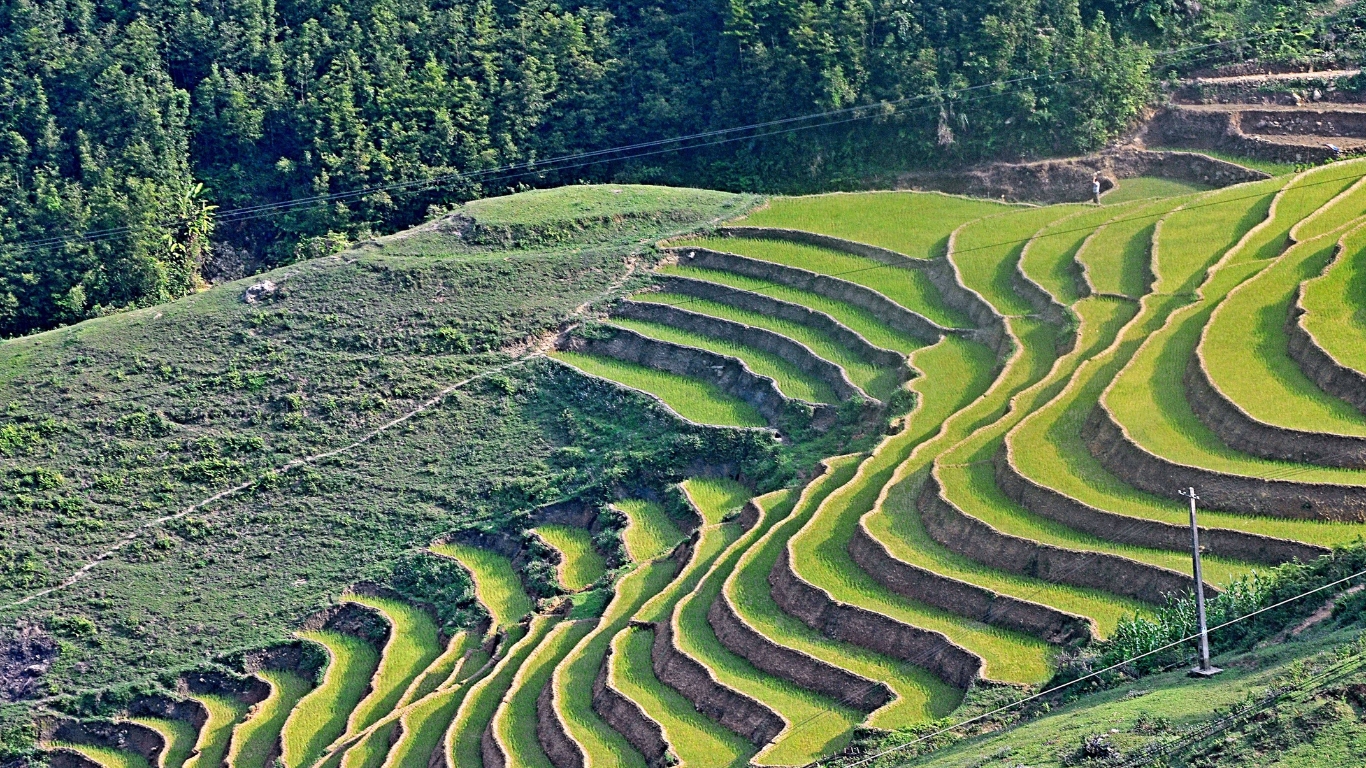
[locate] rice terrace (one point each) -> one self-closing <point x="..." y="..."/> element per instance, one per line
<point x="622" y="475"/>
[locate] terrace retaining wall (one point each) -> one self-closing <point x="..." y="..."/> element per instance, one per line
<point x="68" y="758"/>
<point x="628" y="719"/>
<point x="1125" y="459"/>
<point x="1224" y="130"/>
<point x="964" y="599"/>
<point x="797" y="354"/>
<point x="489" y="749"/>
<point x="120" y="735"/>
<point x="1331" y="376"/>
<point x="1124" y="529"/>
<point x="734" y="710"/>
<point x="189" y="711"/>
<point x="878" y="633"/>
<point x="972" y="538"/>
<point x="940" y="272"/>
<point x="792" y="665"/>
<point x="248" y="690"/>
<point x="1068" y="180"/>
<point x="555" y="741"/>
<point x="729" y="374"/>
<point x="783" y="310"/>
<point x="1241" y="432"/>
<point x="884" y="309"/>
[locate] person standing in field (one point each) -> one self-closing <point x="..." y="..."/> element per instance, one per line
<point x="1095" y="188"/>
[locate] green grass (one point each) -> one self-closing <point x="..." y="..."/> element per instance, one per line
<point x="1335" y="304"/>
<point x="987" y="250"/>
<point x="254" y="738"/>
<point x="483" y="698"/>
<point x="574" y="677"/>
<point x="699" y="401"/>
<point x="715" y="498"/>
<point x="878" y="383"/>
<point x="649" y="533"/>
<point x="1049" y="257"/>
<point x="580" y="563"/>
<point x="180" y="739"/>
<point x="442" y="671"/>
<point x="1115" y="260"/>
<point x="695" y="740"/>
<point x="216" y="735"/>
<point x="1142" y="187"/>
<point x="909" y="287"/>
<point x="423" y="726"/>
<point x="587" y="202"/>
<point x="1245" y="349"/>
<point x="791" y="380"/>
<point x="916" y="224"/>
<point x="321" y="716"/>
<point x="1193" y="238"/>
<point x="412" y="646"/>
<point x="919" y="695"/>
<point x="858" y="320"/>
<point x="497" y="586"/>
<point x="1161" y="707"/>
<point x="106" y="757"/>
<point x="816" y="726"/>
<point x="514" y="722"/>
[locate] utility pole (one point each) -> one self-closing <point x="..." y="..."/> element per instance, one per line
<point x="1204" y="670"/>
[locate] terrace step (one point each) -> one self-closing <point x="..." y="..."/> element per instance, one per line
<point x="511" y="737"/>
<point x="1325" y="335"/>
<point x="793" y="352"/>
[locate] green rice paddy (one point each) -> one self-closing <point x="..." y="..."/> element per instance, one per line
<point x="649" y="533"/>
<point x="580" y="563"/>
<point x="216" y="733"/>
<point x="412" y="646"/>
<point x="699" y="401"/>
<point x="1143" y="187"/>
<point x="1049" y="257"/>
<point x="514" y="722"/>
<point x="423" y="728"/>
<point x="442" y="671"/>
<point x="497" y="586"/>
<point x="254" y="739"/>
<point x="987" y="250"/>
<point x="919" y="695"/>
<point x="916" y="224"/>
<point x="1348" y="205"/>
<point x="574" y="676"/>
<point x="858" y="320"/>
<point x="321" y="716"/>
<point x="816" y="726"/>
<point x="1245" y="348"/>
<point x="791" y="380"/>
<point x="695" y="740"/>
<point x="878" y="383"/>
<point x="1115" y="260"/>
<point x="105" y="757"/>
<point x="180" y="739"/>
<point x="907" y="286"/>
<point x="1335" y="304"/>
<point x="482" y="700"/>
<point x="373" y="747"/>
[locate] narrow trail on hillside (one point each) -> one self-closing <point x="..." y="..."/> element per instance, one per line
<point x="133" y="535"/>
<point x="531" y="351"/>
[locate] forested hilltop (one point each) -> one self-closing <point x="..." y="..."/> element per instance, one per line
<point x="121" y="115"/>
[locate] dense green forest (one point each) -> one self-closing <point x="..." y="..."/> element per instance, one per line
<point x="151" y="120"/>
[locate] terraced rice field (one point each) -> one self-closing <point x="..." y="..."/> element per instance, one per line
<point x="580" y="563"/>
<point x="693" y="399"/>
<point x="1334" y="311"/>
<point x="790" y="379"/>
<point x="1147" y="285"/>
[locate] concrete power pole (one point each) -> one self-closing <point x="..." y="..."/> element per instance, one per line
<point x="1204" y="669"/>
